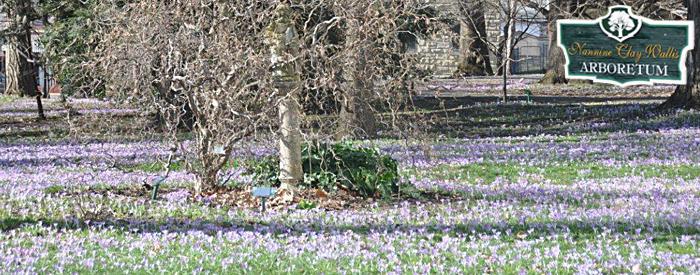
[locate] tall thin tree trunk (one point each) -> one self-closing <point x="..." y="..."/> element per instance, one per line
<point x="284" y="42"/>
<point x="357" y="119"/>
<point x="291" y="172"/>
<point x="30" y="77"/>
<point x="688" y="96"/>
<point x="40" y="106"/>
<point x="508" y="47"/>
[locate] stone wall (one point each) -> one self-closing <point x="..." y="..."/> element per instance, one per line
<point x="493" y="30"/>
<point x="440" y="53"/>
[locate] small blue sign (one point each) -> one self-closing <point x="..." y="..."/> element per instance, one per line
<point x="219" y="150"/>
<point x="264" y="192"/>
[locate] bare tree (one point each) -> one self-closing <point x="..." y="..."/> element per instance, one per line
<point x="513" y="13"/>
<point x="211" y="61"/>
<point x="193" y="59"/>
<point x="20" y="62"/>
<point x="357" y="116"/>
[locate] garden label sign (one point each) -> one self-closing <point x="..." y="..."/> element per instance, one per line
<point x="624" y="49"/>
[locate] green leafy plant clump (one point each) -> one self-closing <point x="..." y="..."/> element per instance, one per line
<point x="337" y="166"/>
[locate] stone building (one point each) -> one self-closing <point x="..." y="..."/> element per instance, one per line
<point x="442" y="51"/>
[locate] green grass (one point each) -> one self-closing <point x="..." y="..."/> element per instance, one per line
<point x="154" y="167"/>
<point x="567" y="173"/>
<point x="71" y="214"/>
<point x="186" y="255"/>
<point x="6" y="99"/>
<point x="677" y="248"/>
<point x="8" y="223"/>
<point x="53" y="189"/>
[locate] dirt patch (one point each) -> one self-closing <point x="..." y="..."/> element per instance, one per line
<point x="242" y="198"/>
<point x="312" y="198"/>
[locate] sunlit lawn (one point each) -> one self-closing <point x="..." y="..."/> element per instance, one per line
<point x="609" y="189"/>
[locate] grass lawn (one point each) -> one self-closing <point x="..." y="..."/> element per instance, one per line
<point x="543" y="188"/>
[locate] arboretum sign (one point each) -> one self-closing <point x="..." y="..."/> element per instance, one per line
<point x="625" y="49"/>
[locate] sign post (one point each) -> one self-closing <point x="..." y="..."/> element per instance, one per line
<point x="263" y="193"/>
<point x="625" y="49"/>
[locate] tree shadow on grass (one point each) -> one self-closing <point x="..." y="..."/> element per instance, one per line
<point x="465" y="119"/>
<point x="663" y="229"/>
<point x="435" y="103"/>
<point x="58" y="161"/>
<point x="363" y="222"/>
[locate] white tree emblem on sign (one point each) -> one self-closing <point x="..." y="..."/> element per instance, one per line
<point x="620" y="24"/>
<point x="621" y="21"/>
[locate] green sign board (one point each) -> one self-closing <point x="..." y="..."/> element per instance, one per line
<point x="624" y="49"/>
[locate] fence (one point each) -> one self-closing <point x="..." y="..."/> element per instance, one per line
<point x="529" y="63"/>
<point x="46" y="81"/>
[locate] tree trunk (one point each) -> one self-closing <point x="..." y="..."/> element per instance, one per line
<point x="503" y="51"/>
<point x="284" y="46"/>
<point x="474" y="54"/>
<point x="13" y="70"/>
<point x="205" y="182"/>
<point x="186" y="119"/>
<point x="555" y="73"/>
<point x="21" y="76"/>
<point x="291" y="172"/>
<point x="508" y="47"/>
<point x="30" y="78"/>
<point x="357" y="119"/>
<point x="20" y="64"/>
<point x="688" y="96"/>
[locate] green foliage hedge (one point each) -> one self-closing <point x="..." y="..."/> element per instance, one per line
<point x="69" y="43"/>
<point x="332" y="166"/>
